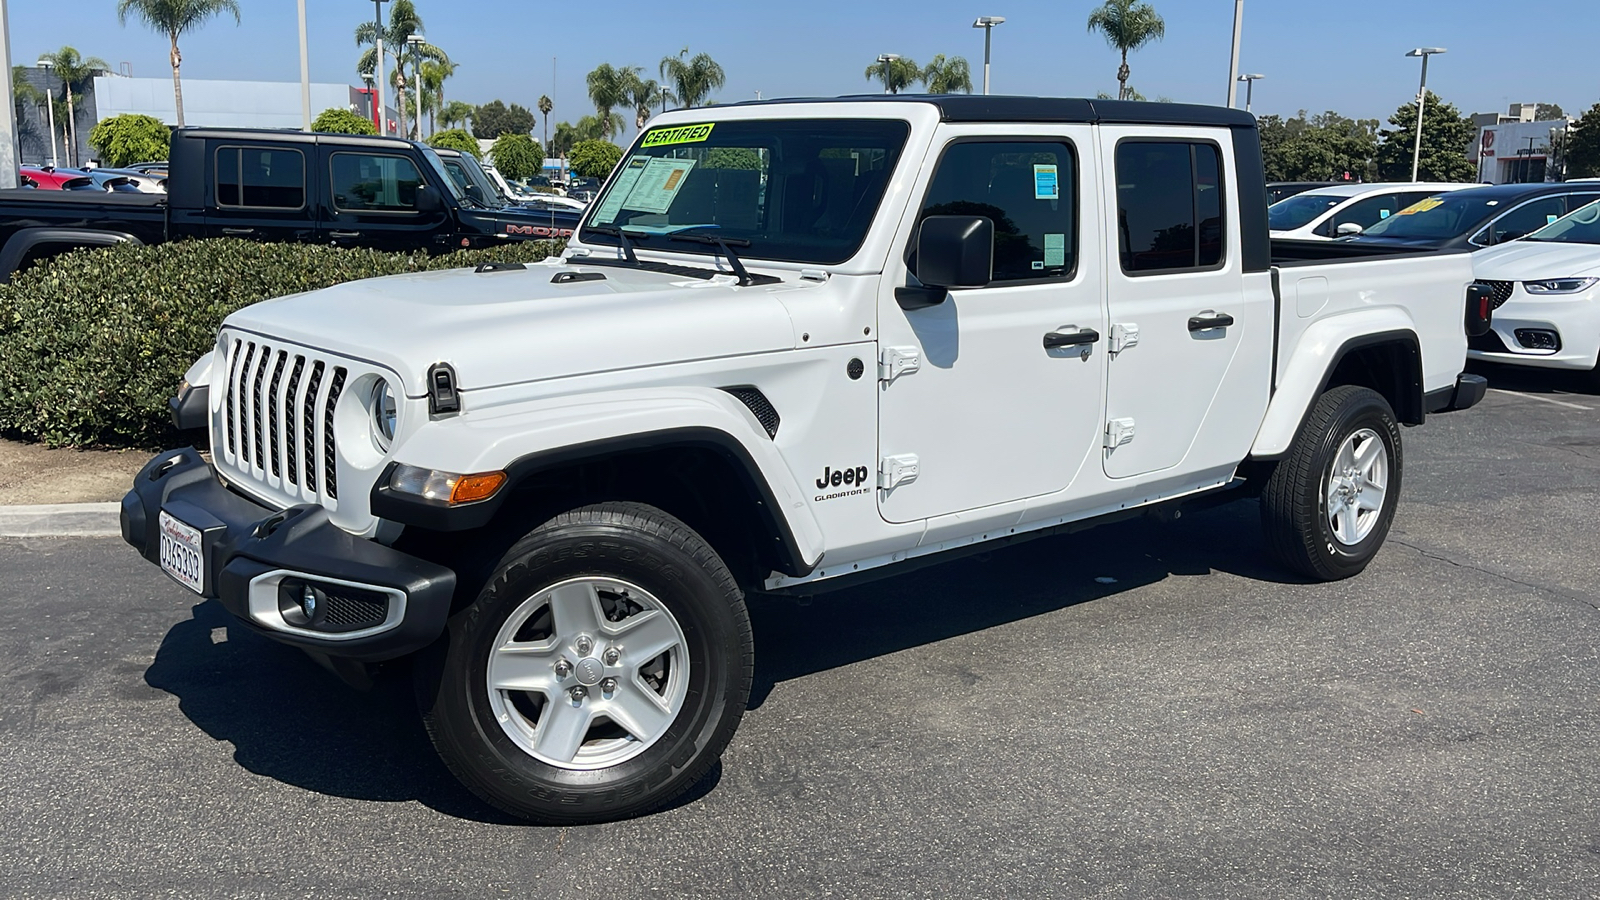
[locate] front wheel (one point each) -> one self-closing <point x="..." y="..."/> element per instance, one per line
<point x="599" y="673"/>
<point x="1328" y="504"/>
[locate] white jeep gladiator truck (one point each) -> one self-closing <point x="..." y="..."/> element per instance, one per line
<point x="792" y="345"/>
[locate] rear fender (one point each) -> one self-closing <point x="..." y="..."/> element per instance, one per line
<point x="22" y="244"/>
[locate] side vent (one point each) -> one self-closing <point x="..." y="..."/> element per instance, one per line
<point x="758" y="403"/>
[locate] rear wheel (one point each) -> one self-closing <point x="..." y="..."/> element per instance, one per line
<point x="1328" y="505"/>
<point x="599" y="673"/>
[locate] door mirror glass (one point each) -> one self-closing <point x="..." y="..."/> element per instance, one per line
<point x="955" y="251"/>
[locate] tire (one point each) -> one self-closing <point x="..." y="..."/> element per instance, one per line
<point x="645" y="727"/>
<point x="1311" y="524"/>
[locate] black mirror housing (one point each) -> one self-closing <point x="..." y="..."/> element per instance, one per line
<point x="429" y="199"/>
<point x="955" y="251"/>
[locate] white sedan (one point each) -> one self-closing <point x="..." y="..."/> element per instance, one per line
<point x="1345" y="209"/>
<point x="1546" y="296"/>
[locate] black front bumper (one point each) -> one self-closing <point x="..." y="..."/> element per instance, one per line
<point x="244" y="542"/>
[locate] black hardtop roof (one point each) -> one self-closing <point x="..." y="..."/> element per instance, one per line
<point x="295" y="137"/>
<point x="994" y="108"/>
<point x="1517" y="191"/>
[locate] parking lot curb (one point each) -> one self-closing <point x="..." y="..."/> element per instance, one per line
<point x="61" y="520"/>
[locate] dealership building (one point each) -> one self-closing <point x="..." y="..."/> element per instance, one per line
<point x="1514" y="148"/>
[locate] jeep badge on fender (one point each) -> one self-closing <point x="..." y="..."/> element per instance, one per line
<point x="832" y="477"/>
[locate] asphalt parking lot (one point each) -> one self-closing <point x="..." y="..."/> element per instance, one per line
<point x="1003" y="726"/>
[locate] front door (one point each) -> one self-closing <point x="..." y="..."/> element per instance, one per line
<point x="373" y="202"/>
<point x="1175" y="296"/>
<point x="971" y="399"/>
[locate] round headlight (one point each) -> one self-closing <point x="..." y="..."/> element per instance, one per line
<point x="383" y="415"/>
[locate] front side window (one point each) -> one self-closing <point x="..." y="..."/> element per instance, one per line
<point x="370" y="182"/>
<point x="1169" y="205"/>
<point x="1581" y="226"/>
<point x="1525" y="219"/>
<point x="801" y="190"/>
<point x="260" y="177"/>
<point x="1028" y="189"/>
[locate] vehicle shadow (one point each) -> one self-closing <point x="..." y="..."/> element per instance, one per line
<point x="1528" y="380"/>
<point x="290" y="720"/>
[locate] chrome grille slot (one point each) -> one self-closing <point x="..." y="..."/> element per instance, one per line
<point x="241" y="402"/>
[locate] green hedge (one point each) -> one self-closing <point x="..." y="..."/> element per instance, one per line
<point x="93" y="342"/>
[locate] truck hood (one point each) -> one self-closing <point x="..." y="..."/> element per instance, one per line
<point x="505" y="327"/>
<point x="1534" y="260"/>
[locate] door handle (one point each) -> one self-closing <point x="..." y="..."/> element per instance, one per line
<point x="1208" y="320"/>
<point x="238" y="231"/>
<point x="1055" y="339"/>
<point x="351" y="234"/>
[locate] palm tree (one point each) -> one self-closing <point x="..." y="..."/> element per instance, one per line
<point x="174" y="18"/>
<point x="403" y="23"/>
<point x="897" y="73"/>
<point x="73" y="70"/>
<point x="947" y="77"/>
<point x="434" y="73"/>
<point x="545" y="105"/>
<point x="1127" y="25"/>
<point x="643" y="93"/>
<point x="609" y="88"/>
<point x="455" y="113"/>
<point x="692" y="80"/>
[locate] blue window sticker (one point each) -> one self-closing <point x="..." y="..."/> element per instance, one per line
<point x="1045" y="186"/>
<point x="1383" y="214"/>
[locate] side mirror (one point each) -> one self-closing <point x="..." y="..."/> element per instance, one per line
<point x="474" y="192"/>
<point x="428" y="199"/>
<point x="955" y="251"/>
<point x="1348" y="229"/>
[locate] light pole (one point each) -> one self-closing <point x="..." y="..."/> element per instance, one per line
<point x="50" y="113"/>
<point x="415" y="42"/>
<point x="305" y="73"/>
<point x="1422" y="101"/>
<point x="1233" y="59"/>
<point x="884" y="59"/>
<point x="987" y="23"/>
<point x="1249" y="88"/>
<point x="372" y="101"/>
<point x="383" y="118"/>
<point x="8" y="120"/>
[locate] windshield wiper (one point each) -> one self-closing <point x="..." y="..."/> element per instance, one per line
<point x="721" y="243"/>
<point x="614" y="231"/>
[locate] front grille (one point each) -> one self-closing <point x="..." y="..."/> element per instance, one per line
<point x="281" y="427"/>
<point x="1500" y="292"/>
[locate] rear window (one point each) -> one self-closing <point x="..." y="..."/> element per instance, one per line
<point x="260" y="177"/>
<point x="1169" y="205"/>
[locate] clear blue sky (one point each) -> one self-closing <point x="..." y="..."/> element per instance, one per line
<point x="1346" y="56"/>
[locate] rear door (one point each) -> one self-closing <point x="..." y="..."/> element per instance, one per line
<point x="1178" y="313"/>
<point x="261" y="192"/>
<point x="989" y="413"/>
<point x="372" y="201"/>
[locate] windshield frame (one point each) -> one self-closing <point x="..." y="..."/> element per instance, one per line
<point x="896" y="138"/>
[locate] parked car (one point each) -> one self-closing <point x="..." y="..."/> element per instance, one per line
<point x="560" y="481"/>
<point x="51" y="178"/>
<point x="481" y="189"/>
<point x="1478" y="217"/>
<point x="346" y="190"/>
<point x="1280" y="190"/>
<point x="110" y="180"/>
<point x="1546" y="296"/>
<point x="1323" y="214"/>
<point x="144" y="181"/>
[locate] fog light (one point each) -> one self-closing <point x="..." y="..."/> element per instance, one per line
<point x="300" y="604"/>
<point x="1538" y="339"/>
<point x="308" y="602"/>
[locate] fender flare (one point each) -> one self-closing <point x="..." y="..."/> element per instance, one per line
<point x="558" y="433"/>
<point x="1315" y="358"/>
<point x="25" y="239"/>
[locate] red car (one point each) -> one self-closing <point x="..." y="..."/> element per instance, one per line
<point x="50" y="178"/>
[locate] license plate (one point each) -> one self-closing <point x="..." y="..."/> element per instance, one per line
<point x="181" y="556"/>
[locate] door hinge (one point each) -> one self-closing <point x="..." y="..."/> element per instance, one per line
<point x="1118" y="432"/>
<point x="894" y="471"/>
<point x="896" y="361"/>
<point x="1124" y="336"/>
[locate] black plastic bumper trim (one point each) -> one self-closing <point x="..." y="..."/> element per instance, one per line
<point x="242" y="539"/>
<point x="192" y="407"/>
<point x="1466" y="393"/>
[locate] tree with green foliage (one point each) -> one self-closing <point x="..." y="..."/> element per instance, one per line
<point x="517" y="155"/>
<point x="895" y="74"/>
<point x="1582" y="147"/>
<point x="403" y="23"/>
<point x="544" y="107"/>
<point x="692" y="79"/>
<point x="455" y="139"/>
<point x="732" y="158"/>
<point x="494" y="118"/>
<point x="1127" y="26"/>
<point x="644" y="94"/>
<point x="456" y="113"/>
<point x="1325" y="147"/>
<point x="1445" y="136"/>
<point x="338" y="120"/>
<point x="610" y="87"/>
<point x="175" y="18"/>
<point x="73" y="70"/>
<point x="434" y="73"/>
<point x="947" y="76"/>
<point x="595" y="159"/>
<point x="1548" y="112"/>
<point x="130" y="138"/>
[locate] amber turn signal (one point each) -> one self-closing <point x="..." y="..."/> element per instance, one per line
<point x="472" y="488"/>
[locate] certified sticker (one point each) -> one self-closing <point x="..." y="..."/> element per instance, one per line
<point x="680" y="134"/>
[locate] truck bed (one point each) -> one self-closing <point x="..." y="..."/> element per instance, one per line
<point x="141" y="216"/>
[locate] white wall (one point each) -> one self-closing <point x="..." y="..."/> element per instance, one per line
<point x="231" y="104"/>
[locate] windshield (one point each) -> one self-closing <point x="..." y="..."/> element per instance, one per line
<point x="1440" y="217"/>
<point x="1581" y="226"/>
<point x="1299" y="210"/>
<point x="491" y="192"/>
<point x="801" y="190"/>
<point x="433" y="159"/>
